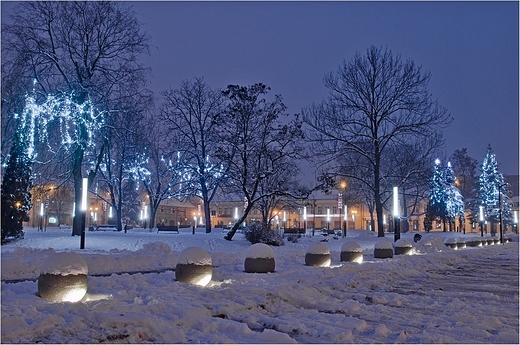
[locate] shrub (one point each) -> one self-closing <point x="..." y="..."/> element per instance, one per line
<point x="259" y="233"/>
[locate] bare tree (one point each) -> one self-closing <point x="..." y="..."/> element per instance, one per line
<point x="157" y="167"/>
<point x="376" y="101"/>
<point x="254" y="143"/>
<point x="123" y="149"/>
<point x="87" y="49"/>
<point x="188" y="113"/>
<point x="465" y="168"/>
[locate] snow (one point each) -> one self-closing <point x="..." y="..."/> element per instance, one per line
<point x="402" y="243"/>
<point x="259" y="250"/>
<point x="351" y="247"/>
<point x="65" y="263"/>
<point x="438" y="295"/>
<point x="318" y="248"/>
<point x="383" y="244"/>
<point x="194" y="256"/>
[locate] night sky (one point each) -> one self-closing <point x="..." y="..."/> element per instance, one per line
<point x="470" y="48"/>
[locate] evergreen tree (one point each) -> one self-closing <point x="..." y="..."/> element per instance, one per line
<point x="491" y="188"/>
<point x="454" y="199"/>
<point x="16" y="185"/>
<point x="437" y="206"/>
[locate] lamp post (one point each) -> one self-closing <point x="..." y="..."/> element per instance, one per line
<point x="328" y="219"/>
<point x="500" y="210"/>
<point x="42" y="212"/>
<point x="481" y="220"/>
<point x="515" y="224"/>
<point x="84" y="191"/>
<point x="397" y="234"/>
<point x="345" y="222"/>
<point x="305" y="219"/>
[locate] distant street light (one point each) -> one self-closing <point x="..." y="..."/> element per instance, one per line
<point x="397" y="234"/>
<point x="481" y="220"/>
<point x="84" y="201"/>
<point x="305" y="219"/>
<point x="515" y="225"/>
<point x="328" y="219"/>
<point x="345" y="222"/>
<point x="500" y="210"/>
<point x="42" y="212"/>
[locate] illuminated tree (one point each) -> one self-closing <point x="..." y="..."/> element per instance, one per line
<point x="188" y="112"/>
<point x="16" y="185"/>
<point x="492" y="191"/>
<point x="82" y="52"/>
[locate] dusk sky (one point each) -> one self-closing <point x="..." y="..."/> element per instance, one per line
<point x="470" y="48"/>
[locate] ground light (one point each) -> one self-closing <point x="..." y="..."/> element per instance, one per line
<point x="63" y="278"/>
<point x="318" y="254"/>
<point x="194" y="266"/>
<point x="259" y="259"/>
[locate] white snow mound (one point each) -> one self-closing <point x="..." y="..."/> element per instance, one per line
<point x="64" y="263"/>
<point x="318" y="248"/>
<point x="401" y="243"/>
<point x="259" y="250"/>
<point x="383" y="245"/>
<point x="351" y="247"/>
<point x="194" y="256"/>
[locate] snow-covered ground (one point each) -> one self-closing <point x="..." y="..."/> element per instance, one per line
<point x="437" y="295"/>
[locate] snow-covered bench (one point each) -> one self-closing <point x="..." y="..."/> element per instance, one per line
<point x="170" y="228"/>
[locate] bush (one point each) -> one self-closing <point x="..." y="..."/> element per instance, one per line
<point x="259" y="233"/>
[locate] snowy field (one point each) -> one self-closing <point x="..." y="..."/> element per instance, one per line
<point x="437" y="295"/>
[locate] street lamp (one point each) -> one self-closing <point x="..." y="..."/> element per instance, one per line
<point x="42" y="213"/>
<point x="397" y="234"/>
<point x="328" y="219"/>
<point x="305" y="219"/>
<point x="84" y="191"/>
<point x="500" y="210"/>
<point x="481" y="220"/>
<point x="345" y="222"/>
<point x="515" y="225"/>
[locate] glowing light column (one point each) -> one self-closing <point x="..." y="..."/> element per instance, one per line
<point x="84" y="191"/>
<point x="345" y="222"/>
<point x="481" y="220"/>
<point x="305" y="219"/>
<point x="397" y="233"/>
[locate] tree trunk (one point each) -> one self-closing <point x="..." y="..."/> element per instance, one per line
<point x="231" y="233"/>
<point x="207" y="216"/>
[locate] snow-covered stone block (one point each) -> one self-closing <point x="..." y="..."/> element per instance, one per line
<point x="63" y="278"/>
<point x="496" y="239"/>
<point x="318" y="254"/>
<point x="473" y="242"/>
<point x="194" y="266"/>
<point x="383" y="250"/>
<point x="461" y="242"/>
<point x="259" y="259"/>
<point x="402" y="247"/>
<point x="451" y="242"/>
<point x="490" y="241"/>
<point x="351" y="252"/>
